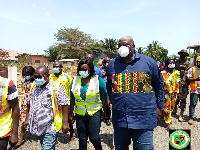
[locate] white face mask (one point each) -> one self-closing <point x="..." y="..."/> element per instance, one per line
<point x="171" y="66"/>
<point x="123" y="51"/>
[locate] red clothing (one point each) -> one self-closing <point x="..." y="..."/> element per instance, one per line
<point x="162" y="67"/>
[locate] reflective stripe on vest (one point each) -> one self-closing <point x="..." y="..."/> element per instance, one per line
<point x="57" y="110"/>
<point x="89" y="108"/>
<point x="5" y="110"/>
<point x="193" y="84"/>
<point x="92" y="103"/>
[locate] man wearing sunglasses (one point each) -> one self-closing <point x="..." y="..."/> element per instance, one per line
<point x="48" y="109"/>
<point x="97" y="70"/>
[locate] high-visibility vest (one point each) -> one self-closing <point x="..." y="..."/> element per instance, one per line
<point x="92" y="102"/>
<point x="65" y="81"/>
<point x="6" y="121"/>
<point x="57" y="109"/>
<point x="193" y="84"/>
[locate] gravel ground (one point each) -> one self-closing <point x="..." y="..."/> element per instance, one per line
<point x="161" y="135"/>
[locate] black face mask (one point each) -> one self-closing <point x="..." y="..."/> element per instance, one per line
<point x="182" y="56"/>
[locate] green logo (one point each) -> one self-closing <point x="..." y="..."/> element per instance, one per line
<point x="179" y="139"/>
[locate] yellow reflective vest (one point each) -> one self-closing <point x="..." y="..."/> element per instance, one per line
<point x="92" y="102"/>
<point x="193" y="84"/>
<point x="65" y="81"/>
<point x="5" y="109"/>
<point x="57" y="110"/>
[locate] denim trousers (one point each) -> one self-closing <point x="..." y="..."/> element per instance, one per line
<point x="71" y="129"/>
<point x="48" y="140"/>
<point x="193" y="102"/>
<point x="142" y="138"/>
<point x="4" y="143"/>
<point x="89" y="126"/>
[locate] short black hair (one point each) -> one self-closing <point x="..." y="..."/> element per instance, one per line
<point x="90" y="65"/>
<point x="29" y="70"/>
<point x="167" y="62"/>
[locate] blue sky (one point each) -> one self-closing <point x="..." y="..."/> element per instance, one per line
<point x="29" y="25"/>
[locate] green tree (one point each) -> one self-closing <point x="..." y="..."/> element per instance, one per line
<point x="53" y="53"/>
<point x="109" y="46"/>
<point x="140" y="50"/>
<point x="23" y="57"/>
<point x="156" y="51"/>
<point x="163" y="56"/>
<point x="74" y="43"/>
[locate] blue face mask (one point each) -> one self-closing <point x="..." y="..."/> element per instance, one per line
<point x="84" y="74"/>
<point x="56" y="70"/>
<point x="40" y="81"/>
<point x="27" y="77"/>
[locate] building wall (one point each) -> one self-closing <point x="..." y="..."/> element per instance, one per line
<point x="39" y="59"/>
<point x="31" y="59"/>
<point x="27" y="60"/>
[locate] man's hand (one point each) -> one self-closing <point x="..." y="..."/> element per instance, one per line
<point x="160" y="113"/>
<point x="13" y="140"/>
<point x="108" y="102"/>
<point x="65" y="127"/>
<point x="72" y="118"/>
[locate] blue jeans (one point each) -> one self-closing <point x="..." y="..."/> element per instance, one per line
<point x="48" y="140"/>
<point x="71" y="129"/>
<point x="89" y="126"/>
<point x="142" y="138"/>
<point x="193" y="102"/>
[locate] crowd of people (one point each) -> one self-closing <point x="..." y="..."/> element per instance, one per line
<point x="140" y="90"/>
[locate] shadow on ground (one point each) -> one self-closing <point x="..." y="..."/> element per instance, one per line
<point x="107" y="139"/>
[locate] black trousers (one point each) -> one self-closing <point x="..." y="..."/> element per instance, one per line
<point x="4" y="143"/>
<point x="108" y="112"/>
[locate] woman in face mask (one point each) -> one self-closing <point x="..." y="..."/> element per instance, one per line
<point x="88" y="92"/>
<point x="28" y="74"/>
<point x="171" y="78"/>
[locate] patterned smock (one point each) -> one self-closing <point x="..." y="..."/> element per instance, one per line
<point x="23" y="108"/>
<point x="171" y="82"/>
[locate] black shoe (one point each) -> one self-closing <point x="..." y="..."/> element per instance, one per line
<point x="108" y="123"/>
<point x="17" y="146"/>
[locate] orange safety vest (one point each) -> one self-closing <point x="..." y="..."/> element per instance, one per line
<point x="5" y="109"/>
<point x="193" y="84"/>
